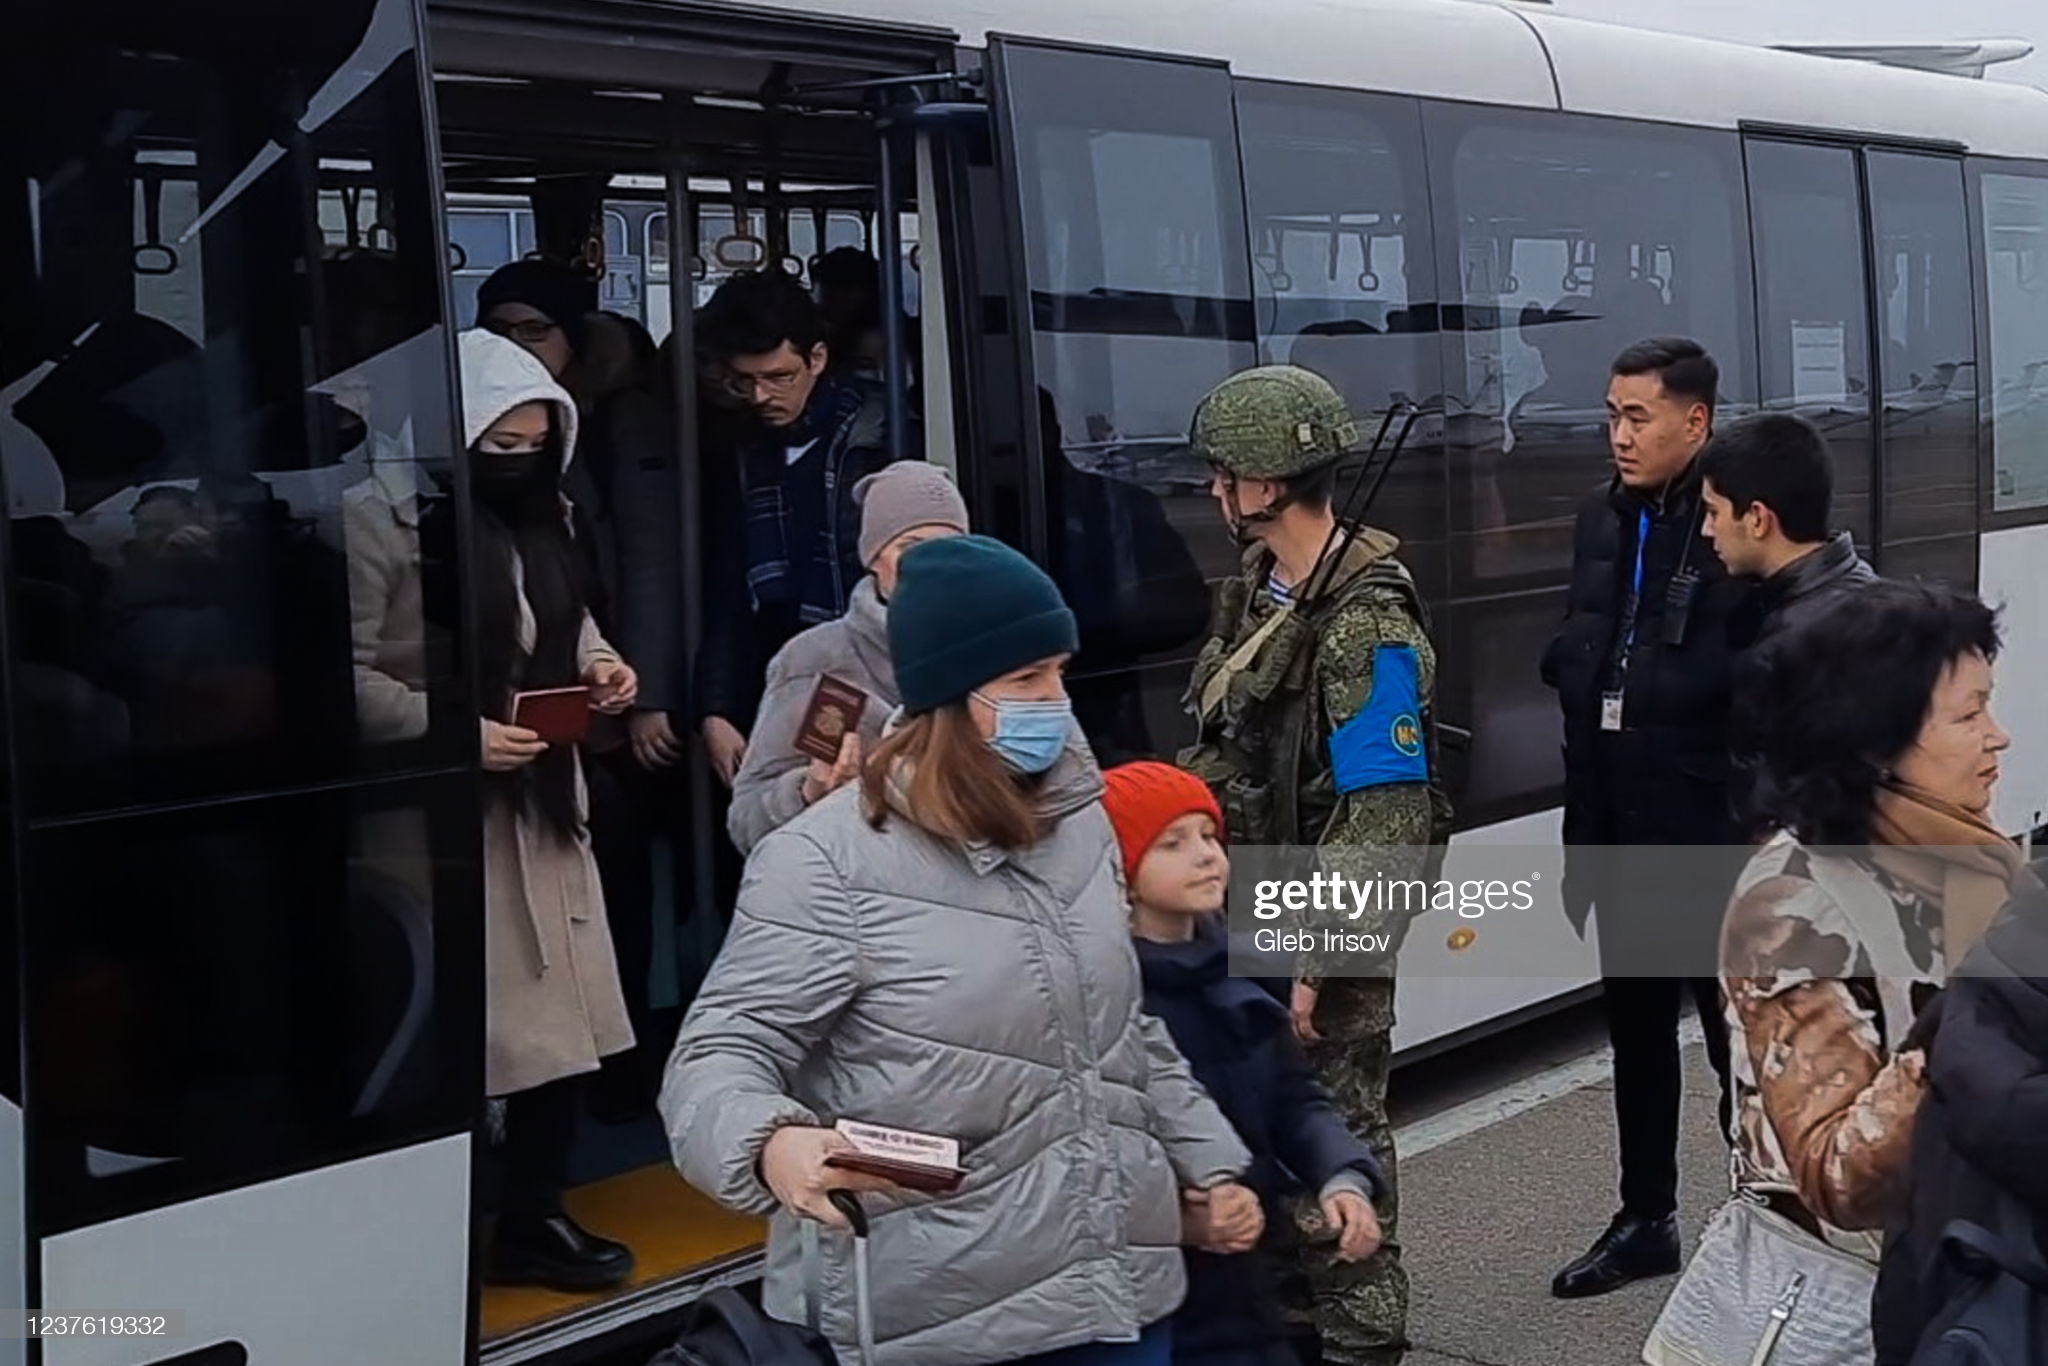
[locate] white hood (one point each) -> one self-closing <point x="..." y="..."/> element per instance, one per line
<point x="499" y="375"/>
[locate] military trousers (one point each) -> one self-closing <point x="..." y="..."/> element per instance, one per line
<point x="1349" y="1313"/>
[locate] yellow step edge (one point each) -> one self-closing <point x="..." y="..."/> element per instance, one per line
<point x="671" y="1228"/>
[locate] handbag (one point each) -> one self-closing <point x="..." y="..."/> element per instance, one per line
<point x="1762" y="1291"/>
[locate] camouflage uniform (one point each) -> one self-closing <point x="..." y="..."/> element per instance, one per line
<point x="1276" y="683"/>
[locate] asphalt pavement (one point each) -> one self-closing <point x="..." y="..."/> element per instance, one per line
<point x="1508" y="1171"/>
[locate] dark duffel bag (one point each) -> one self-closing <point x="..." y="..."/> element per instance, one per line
<point x="725" y="1329"/>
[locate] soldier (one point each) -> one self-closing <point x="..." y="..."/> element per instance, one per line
<point x="1313" y="698"/>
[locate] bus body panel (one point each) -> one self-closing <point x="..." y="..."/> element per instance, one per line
<point x="375" y="1269"/>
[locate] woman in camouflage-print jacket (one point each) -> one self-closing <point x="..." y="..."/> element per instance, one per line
<point x="1883" y="867"/>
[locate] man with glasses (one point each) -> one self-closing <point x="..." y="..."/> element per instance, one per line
<point x="787" y="557"/>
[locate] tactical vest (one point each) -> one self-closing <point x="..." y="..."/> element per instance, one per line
<point x="1251" y="695"/>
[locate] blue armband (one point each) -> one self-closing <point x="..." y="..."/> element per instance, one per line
<point x="1383" y="744"/>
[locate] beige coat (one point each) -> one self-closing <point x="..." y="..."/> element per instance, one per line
<point x="553" y="1003"/>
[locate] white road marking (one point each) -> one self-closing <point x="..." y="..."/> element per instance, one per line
<point x="1483" y="1112"/>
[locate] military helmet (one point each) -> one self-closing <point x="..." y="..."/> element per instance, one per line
<point x="1273" y="422"/>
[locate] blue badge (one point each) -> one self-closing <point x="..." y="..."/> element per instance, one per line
<point x="1383" y="744"/>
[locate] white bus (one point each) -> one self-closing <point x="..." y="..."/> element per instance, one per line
<point x="246" y="1091"/>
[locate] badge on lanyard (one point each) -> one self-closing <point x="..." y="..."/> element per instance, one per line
<point x="1610" y="711"/>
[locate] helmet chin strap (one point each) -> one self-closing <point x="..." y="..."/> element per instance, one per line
<point x="1244" y="526"/>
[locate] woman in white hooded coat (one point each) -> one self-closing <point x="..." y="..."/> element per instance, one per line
<point x="553" y="1001"/>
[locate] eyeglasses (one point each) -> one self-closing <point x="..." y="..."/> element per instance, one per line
<point x="527" y="331"/>
<point x="774" y="382"/>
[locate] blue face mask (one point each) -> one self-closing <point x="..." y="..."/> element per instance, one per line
<point x="1030" y="735"/>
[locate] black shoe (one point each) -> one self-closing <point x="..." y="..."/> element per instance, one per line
<point x="556" y="1252"/>
<point x="1632" y="1248"/>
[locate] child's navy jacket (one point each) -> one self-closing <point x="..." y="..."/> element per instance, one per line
<point x="1240" y="1045"/>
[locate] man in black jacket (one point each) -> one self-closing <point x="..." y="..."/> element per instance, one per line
<point x="1768" y="484"/>
<point x="1644" y="667"/>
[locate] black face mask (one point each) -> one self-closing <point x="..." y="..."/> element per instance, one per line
<point x="505" y="478"/>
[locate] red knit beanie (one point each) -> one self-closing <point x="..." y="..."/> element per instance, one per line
<point x="1144" y="798"/>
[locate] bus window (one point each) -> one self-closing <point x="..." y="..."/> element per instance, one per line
<point x="1813" y="307"/>
<point x="1928" y="368"/>
<point x="483" y="241"/>
<point x="193" y="403"/>
<point x="1140" y="302"/>
<point x="1344" y="276"/>
<point x="2016" y="265"/>
<point x="1571" y="238"/>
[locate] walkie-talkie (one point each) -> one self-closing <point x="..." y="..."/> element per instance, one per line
<point x="1678" y="595"/>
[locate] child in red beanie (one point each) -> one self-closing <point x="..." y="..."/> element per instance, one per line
<point x="1240" y="1046"/>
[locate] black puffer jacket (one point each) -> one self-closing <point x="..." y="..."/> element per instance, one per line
<point x="1983" y="1125"/>
<point x="1663" y="779"/>
<point x="1239" y="1045"/>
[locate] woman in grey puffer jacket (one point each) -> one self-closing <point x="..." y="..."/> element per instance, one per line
<point x="943" y="948"/>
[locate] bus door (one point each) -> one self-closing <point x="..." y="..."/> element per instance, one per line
<point x="1130" y="296"/>
<point x="240" y="737"/>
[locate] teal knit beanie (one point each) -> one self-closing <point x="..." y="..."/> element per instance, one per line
<point x="966" y="611"/>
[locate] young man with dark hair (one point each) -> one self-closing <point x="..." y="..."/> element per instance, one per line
<point x="788" y="552"/>
<point x="1767" y="483"/>
<point x="1643" y="665"/>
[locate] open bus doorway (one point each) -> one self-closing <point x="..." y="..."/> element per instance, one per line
<point x="712" y="148"/>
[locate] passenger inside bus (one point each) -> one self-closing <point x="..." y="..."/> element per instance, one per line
<point x="794" y="527"/>
<point x="571" y="248"/>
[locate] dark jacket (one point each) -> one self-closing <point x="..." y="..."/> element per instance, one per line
<point x="1798" y="593"/>
<point x="1983" y="1124"/>
<point x="1805" y="588"/>
<point x="1663" y="778"/>
<point x="629" y="519"/>
<point x="1239" y="1045"/>
<point x="746" y="621"/>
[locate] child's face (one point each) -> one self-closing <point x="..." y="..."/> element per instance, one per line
<point x="1185" y="872"/>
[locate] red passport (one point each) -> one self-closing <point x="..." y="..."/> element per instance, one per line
<point x="560" y="716"/>
<point x="832" y="713"/>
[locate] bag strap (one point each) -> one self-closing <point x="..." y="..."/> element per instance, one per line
<point x="1971" y="1246"/>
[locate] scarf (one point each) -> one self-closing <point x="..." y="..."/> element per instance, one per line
<point x="794" y="567"/>
<point x="1952" y="857"/>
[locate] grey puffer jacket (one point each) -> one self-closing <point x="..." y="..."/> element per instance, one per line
<point x="992" y="998"/>
<point x="768" y="791"/>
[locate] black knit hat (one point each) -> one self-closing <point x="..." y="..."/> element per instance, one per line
<point x="966" y="611"/>
<point x="550" y="287"/>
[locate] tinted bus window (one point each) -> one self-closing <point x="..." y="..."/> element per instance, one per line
<point x="1140" y="296"/>
<point x="2016" y="268"/>
<point x="226" y="433"/>
<point x="1571" y="239"/>
<point x="225" y="993"/>
<point x="1344" y="278"/>
<point x="1813" y="308"/>
<point x="1927" y="366"/>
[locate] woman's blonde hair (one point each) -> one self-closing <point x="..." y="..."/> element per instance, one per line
<point x="957" y="787"/>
